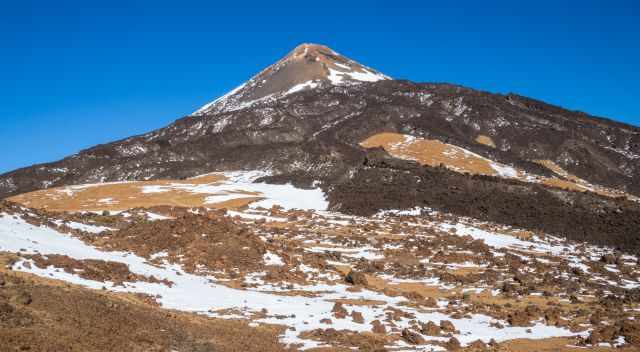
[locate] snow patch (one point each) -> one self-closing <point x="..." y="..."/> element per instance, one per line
<point x="272" y="259"/>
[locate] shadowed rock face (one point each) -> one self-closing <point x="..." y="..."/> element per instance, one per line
<point x="313" y="133"/>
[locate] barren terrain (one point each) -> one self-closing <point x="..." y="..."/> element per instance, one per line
<point x="436" y="153"/>
<point x="305" y="278"/>
<point x="324" y="206"/>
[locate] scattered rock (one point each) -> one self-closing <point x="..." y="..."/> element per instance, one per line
<point x="452" y="345"/>
<point x="477" y="345"/>
<point x="431" y="302"/>
<point x="430" y="329"/>
<point x="412" y="337"/>
<point x="606" y="333"/>
<point x="525" y="316"/>
<point x="447" y="326"/>
<point x="339" y="311"/>
<point x="414" y="296"/>
<point x="552" y="315"/>
<point x="92" y="269"/>
<point x="631" y="332"/>
<point x="356" y="278"/>
<point x="608" y="259"/>
<point x="355" y="340"/>
<point x="357" y="317"/>
<point x="378" y="327"/>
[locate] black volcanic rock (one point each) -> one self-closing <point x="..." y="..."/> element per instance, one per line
<point x="317" y="132"/>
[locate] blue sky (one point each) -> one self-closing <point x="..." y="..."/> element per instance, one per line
<point x="76" y="74"/>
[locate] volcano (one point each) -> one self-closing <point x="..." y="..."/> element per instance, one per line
<point x="316" y="117"/>
<point x="323" y="204"/>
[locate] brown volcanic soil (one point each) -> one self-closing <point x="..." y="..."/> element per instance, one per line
<point x="528" y="290"/>
<point x="37" y="314"/>
<point x="127" y="195"/>
<point x="91" y="269"/>
<point x="213" y="241"/>
<point x="430" y="152"/>
<point x="559" y="344"/>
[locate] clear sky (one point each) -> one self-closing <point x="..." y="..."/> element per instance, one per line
<point x="75" y="74"/>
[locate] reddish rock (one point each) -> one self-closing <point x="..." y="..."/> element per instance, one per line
<point x="412" y="337"/>
<point x="447" y="326"/>
<point x="477" y="345"/>
<point x="452" y="345"/>
<point x="378" y="327"/>
<point x="431" y="302"/>
<point x="357" y="317"/>
<point x="339" y="311"/>
<point x="430" y="329"/>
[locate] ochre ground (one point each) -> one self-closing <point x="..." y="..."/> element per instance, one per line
<point x="486" y="140"/>
<point x="435" y="153"/>
<point x="127" y="195"/>
<point x="557" y="344"/>
<point x="573" y="182"/>
<point x="430" y="152"/>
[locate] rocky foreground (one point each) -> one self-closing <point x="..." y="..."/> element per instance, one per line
<point x="277" y="278"/>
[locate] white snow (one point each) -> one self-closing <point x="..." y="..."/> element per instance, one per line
<point x="504" y="170"/>
<point x="155" y="189"/>
<point x="220" y="99"/>
<point x="253" y="216"/>
<point x="239" y="98"/>
<point x="83" y="227"/>
<point x="497" y="240"/>
<point x="272" y="259"/>
<point x="237" y="184"/>
<point x="337" y="77"/>
<point x="153" y="216"/>
<point x="367" y="76"/>
<point x="367" y="252"/>
<point x="302" y="86"/>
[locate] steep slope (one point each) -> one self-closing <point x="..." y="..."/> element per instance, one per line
<point x="306" y="67"/>
<point x="304" y="118"/>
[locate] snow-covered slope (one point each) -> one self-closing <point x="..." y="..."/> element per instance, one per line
<point x="306" y="67"/>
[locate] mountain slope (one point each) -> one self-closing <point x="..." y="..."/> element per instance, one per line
<point x="600" y="151"/>
<point x="304" y="118"/>
<point x="306" y="67"/>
